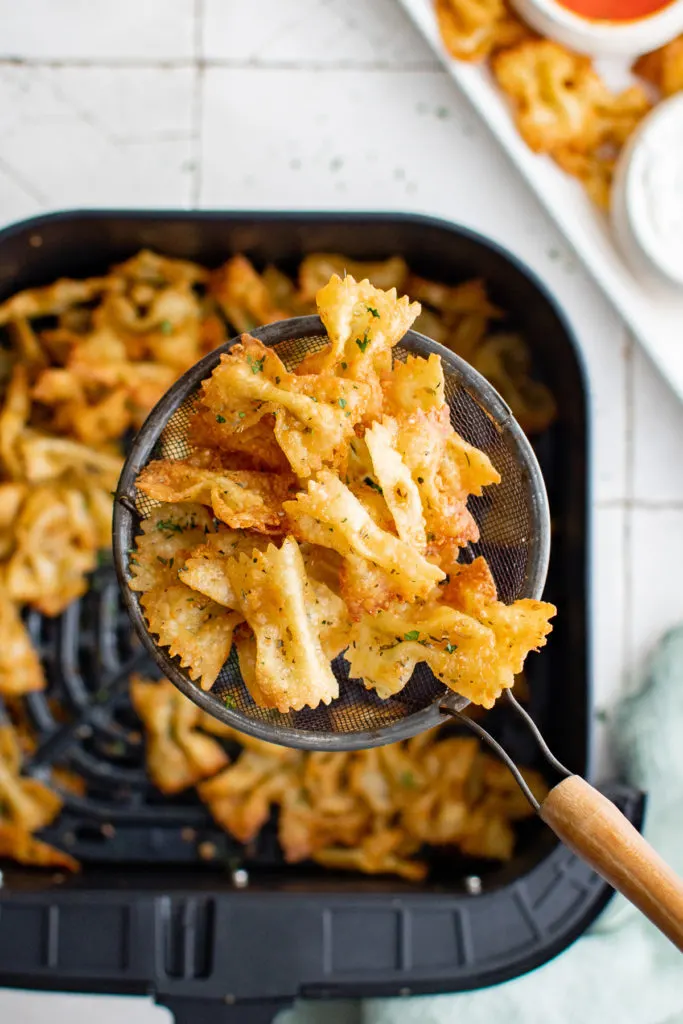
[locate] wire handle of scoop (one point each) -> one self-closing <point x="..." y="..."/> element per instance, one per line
<point x="536" y="733"/>
<point x="503" y="754"/>
<point x="496" y="747"/>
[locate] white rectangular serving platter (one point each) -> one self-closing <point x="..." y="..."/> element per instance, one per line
<point x="655" y="319"/>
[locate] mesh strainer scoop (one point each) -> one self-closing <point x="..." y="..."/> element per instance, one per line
<point x="514" y="525"/>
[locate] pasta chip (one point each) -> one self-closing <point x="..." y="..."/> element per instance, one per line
<point x="53" y="298"/>
<point x="21" y="846"/>
<point x="554" y="93"/>
<point x="417" y="383"/>
<point x="243" y="295"/>
<point x="314" y="418"/>
<point x="663" y="67"/>
<point x="245" y="499"/>
<point x="362" y="322"/>
<point x="291" y="669"/>
<point x="55" y="546"/>
<point x="178" y="754"/>
<point x="473" y="29"/>
<point x="20" y="668"/>
<point x="206" y="570"/>
<point x="13" y="418"/>
<point x="330" y="515"/>
<point x="195" y="629"/>
<point x="399" y="490"/>
<point x="240" y="797"/>
<point x="169" y="535"/>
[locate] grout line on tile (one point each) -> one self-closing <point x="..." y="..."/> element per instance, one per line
<point x="197" y="104"/>
<point x="641" y="503"/>
<point x="26" y="186"/>
<point x="171" y="63"/>
<point x="627" y="574"/>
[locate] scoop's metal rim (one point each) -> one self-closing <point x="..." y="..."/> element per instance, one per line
<point x="125" y="524"/>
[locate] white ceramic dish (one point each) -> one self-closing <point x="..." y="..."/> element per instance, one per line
<point x="598" y="38"/>
<point x="656" y="320"/>
<point x="647" y="198"/>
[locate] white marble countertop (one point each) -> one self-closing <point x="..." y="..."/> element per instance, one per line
<point x="312" y="104"/>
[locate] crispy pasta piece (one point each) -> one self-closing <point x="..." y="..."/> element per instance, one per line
<point x="206" y="568"/>
<point x="258" y="441"/>
<point x="553" y="92"/>
<point x="363" y="324"/>
<point x="56" y="544"/>
<point x="275" y="598"/>
<point x="178" y="754"/>
<point x="53" y="298"/>
<point x="21" y="846"/>
<point x="240" y="797"/>
<point x="195" y="629"/>
<point x="20" y="668"/>
<point x="417" y="383"/>
<point x="25" y="802"/>
<point x="330" y="515"/>
<point x="314" y="418"/>
<point x="473" y="29"/>
<point x="169" y="535"/>
<point x="663" y="67"/>
<point x="399" y="490"/>
<point x="13" y="418"/>
<point x="244" y="296"/>
<point x="241" y="499"/>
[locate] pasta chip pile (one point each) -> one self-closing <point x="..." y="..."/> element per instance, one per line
<point x="561" y="104"/>
<point x="376" y="490"/>
<point x="371" y="811"/>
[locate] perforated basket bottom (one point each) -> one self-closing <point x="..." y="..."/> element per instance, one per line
<point x="510" y="526"/>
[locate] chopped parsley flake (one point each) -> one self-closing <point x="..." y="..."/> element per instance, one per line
<point x="166" y="327"/>
<point x="363" y="343"/>
<point x="369" y="482"/>
<point x="344" y="366"/>
<point x="373" y="311"/>
<point x="241" y="415"/>
<point x="342" y="403"/>
<point x="450" y="648"/>
<point x="168" y="526"/>
<point x="408" y="780"/>
<point x="220" y="419"/>
<point x="414" y="634"/>
<point x="256" y="365"/>
<point x="229" y="701"/>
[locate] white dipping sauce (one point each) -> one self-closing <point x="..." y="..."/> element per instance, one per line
<point x="647" y="208"/>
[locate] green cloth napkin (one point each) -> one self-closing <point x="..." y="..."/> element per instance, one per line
<point x="622" y="971"/>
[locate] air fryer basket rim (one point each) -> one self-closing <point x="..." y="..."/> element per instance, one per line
<point x="73" y="242"/>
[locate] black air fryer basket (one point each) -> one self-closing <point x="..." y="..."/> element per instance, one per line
<point x="167" y="903"/>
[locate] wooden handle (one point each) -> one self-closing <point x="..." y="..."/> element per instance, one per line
<point x="590" y="825"/>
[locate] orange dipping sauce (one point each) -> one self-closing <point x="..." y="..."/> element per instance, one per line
<point x="614" y="10"/>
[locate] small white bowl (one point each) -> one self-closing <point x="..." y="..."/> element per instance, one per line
<point x="647" y="197"/>
<point x="597" y="37"/>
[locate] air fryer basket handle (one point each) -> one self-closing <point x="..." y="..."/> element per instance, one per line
<point x="215" y="1011"/>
